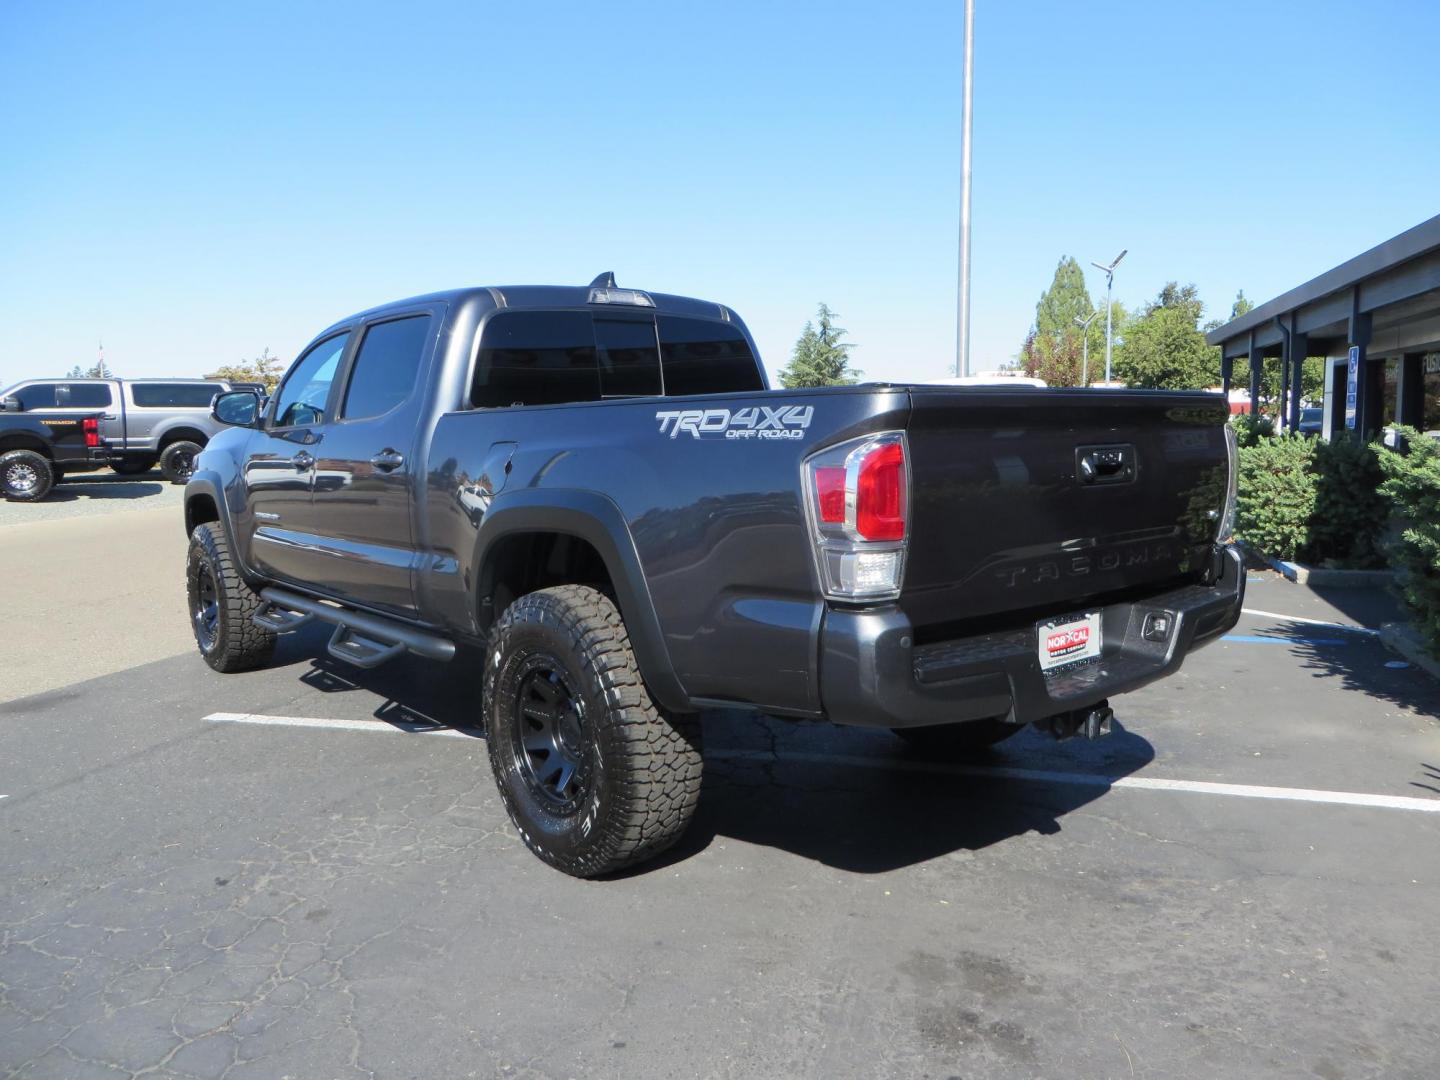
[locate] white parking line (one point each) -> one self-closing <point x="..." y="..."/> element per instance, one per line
<point x="1198" y="787"/>
<point x="1311" y="622"/>
<point x="383" y="727"/>
<point x="1042" y="776"/>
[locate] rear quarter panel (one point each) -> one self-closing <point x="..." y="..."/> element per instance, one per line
<point x="715" y="518"/>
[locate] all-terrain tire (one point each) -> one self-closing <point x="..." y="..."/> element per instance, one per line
<point x="177" y="461"/>
<point x="564" y="653"/>
<point x="220" y="614"/>
<point x="25" y="476"/>
<point x="969" y="739"/>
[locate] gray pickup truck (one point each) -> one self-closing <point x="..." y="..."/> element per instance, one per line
<point x="596" y="491"/>
<point x="143" y="422"/>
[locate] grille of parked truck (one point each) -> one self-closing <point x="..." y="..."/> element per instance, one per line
<point x="594" y="493"/>
<point x="144" y="422"/>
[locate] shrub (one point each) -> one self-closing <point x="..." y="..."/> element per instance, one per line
<point x="1251" y="427"/>
<point x="1277" y="494"/>
<point x="1412" y="484"/>
<point x="1351" y="512"/>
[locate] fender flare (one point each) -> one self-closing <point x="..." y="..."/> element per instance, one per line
<point x="207" y="482"/>
<point x="594" y="518"/>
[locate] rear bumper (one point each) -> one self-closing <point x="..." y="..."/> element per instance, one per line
<point x="871" y="675"/>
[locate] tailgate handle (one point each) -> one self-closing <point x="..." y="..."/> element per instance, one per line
<point x="1105" y="464"/>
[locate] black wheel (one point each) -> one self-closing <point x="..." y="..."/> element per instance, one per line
<point x="177" y="461"/>
<point x="593" y="774"/>
<point x="25" y="476"/>
<point x="221" y="604"/>
<point x="958" y="740"/>
<point x="133" y="466"/>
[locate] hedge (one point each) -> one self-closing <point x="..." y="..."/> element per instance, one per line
<point x="1412" y="486"/>
<point x="1309" y="499"/>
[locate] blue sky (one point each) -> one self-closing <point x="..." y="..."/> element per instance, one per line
<point x="191" y="183"/>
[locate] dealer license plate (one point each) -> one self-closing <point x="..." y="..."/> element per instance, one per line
<point x="1069" y="640"/>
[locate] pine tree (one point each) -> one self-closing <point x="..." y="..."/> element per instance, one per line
<point x="1054" y="348"/>
<point x="820" y="358"/>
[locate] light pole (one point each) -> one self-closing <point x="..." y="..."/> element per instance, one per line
<point x="1109" y="272"/>
<point x="962" y="320"/>
<point x="1084" y="325"/>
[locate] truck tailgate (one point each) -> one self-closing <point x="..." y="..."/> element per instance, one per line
<point x="1025" y="501"/>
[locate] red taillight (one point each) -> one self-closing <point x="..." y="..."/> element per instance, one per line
<point x="91" y="427"/>
<point x="880" y="494"/>
<point x="830" y="493"/>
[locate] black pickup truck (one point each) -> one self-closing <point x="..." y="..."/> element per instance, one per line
<point x="37" y="447"/>
<point x="595" y="489"/>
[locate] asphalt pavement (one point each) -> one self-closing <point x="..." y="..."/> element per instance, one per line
<point x="305" y="871"/>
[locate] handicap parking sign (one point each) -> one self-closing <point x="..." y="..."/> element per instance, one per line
<point x="1352" y="381"/>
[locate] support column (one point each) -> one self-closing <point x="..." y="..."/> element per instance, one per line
<point x="1410" y="408"/>
<point x="1359" y="335"/>
<point x="1227" y="368"/>
<point x="1282" y="414"/>
<point x="1257" y="361"/>
<point x="1299" y="350"/>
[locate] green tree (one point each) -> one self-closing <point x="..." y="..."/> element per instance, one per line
<point x="1164" y="348"/>
<point x="97" y="370"/>
<point x="1054" y="347"/>
<point x="820" y="358"/>
<point x="1242" y="306"/>
<point x="264" y="369"/>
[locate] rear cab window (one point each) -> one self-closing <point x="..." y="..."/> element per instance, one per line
<point x="385" y="368"/>
<point x="558" y="357"/>
<point x="85" y="395"/>
<point x="173" y="395"/>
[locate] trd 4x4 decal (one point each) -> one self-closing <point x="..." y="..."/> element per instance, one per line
<point x="752" y="422"/>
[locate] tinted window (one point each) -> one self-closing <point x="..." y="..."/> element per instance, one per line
<point x="536" y="358"/>
<point x="301" y="402"/>
<point x="88" y="395"/>
<point x="36" y="396"/>
<point x="385" y="367"/>
<point x="629" y="359"/>
<point x="704" y="357"/>
<point x="174" y="395"/>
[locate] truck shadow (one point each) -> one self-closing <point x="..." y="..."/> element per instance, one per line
<point x="865" y="802"/>
<point x="106" y="486"/>
<point x="857" y="800"/>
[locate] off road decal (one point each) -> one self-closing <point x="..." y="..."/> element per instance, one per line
<point x="752" y="422"/>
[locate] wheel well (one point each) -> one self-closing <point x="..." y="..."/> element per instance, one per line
<point x="23" y="442"/>
<point x="200" y="510"/>
<point x="182" y="435"/>
<point x="523" y="562"/>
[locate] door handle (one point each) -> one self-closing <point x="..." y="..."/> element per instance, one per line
<point x="387" y="460"/>
<point x="302" y="460"/>
<point x="108" y="416"/>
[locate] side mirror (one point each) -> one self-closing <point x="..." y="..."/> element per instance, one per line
<point x="11" y="404"/>
<point x="238" y="408"/>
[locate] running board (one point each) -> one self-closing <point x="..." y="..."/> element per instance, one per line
<point x="360" y="638"/>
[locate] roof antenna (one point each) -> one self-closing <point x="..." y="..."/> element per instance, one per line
<point x="604" y="281"/>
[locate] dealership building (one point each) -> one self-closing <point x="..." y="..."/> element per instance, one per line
<point x="1376" y="321"/>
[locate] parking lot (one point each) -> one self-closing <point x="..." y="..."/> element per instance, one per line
<point x="305" y="871"/>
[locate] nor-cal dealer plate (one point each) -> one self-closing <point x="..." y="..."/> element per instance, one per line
<point x="1069" y="640"/>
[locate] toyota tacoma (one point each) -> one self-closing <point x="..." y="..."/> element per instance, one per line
<point x="593" y="492"/>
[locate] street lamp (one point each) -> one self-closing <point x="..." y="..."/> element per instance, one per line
<point x="962" y="315"/>
<point x="1084" y="325"/>
<point x="1109" y="272"/>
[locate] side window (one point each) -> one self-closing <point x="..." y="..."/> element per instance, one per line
<point x="536" y="358"/>
<point x="385" y="368"/>
<point x="629" y="358"/>
<point x="36" y="396"/>
<point x="702" y="356"/>
<point x="173" y="395"/>
<point x="89" y="395"/>
<point x="302" y="397"/>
